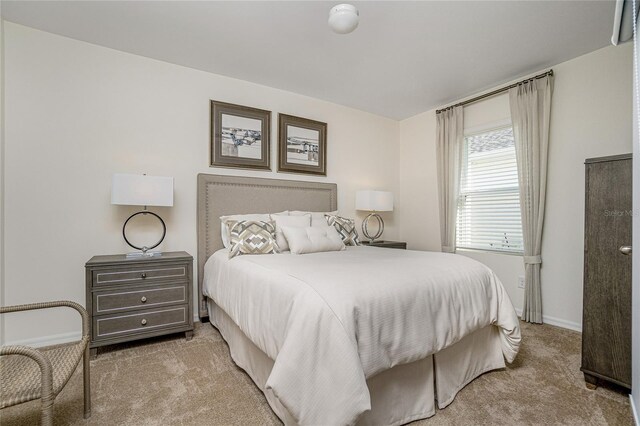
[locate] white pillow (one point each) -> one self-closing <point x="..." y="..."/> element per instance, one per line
<point x="224" y="229"/>
<point x="317" y="218"/>
<point x="281" y="220"/>
<point x="313" y="239"/>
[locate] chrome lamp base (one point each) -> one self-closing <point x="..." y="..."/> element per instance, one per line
<point x="138" y="254"/>
<point x="365" y="227"/>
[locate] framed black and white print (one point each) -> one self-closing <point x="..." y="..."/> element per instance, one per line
<point x="240" y="136"/>
<point x="302" y="145"/>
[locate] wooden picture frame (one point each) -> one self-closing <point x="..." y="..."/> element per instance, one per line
<point x="302" y="145"/>
<point x="240" y="136"/>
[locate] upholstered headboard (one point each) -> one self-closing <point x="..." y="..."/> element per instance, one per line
<point x="225" y="195"/>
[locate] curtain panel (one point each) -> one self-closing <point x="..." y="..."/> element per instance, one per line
<point x="530" y="104"/>
<point x="450" y="137"/>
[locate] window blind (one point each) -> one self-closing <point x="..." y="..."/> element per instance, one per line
<point x="489" y="201"/>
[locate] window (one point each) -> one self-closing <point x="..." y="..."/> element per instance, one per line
<point x="489" y="202"/>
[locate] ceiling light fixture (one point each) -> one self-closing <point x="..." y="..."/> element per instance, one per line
<point x="343" y="18"/>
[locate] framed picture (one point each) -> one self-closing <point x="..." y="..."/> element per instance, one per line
<point x="302" y="145"/>
<point x="240" y="136"/>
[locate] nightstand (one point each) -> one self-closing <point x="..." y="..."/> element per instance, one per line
<point x="131" y="299"/>
<point x="387" y="244"/>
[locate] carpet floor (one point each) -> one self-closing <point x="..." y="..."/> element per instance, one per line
<point x="169" y="381"/>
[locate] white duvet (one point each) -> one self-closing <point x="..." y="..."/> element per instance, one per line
<point x="331" y="320"/>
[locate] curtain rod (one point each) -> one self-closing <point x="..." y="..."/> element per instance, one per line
<point x="495" y="92"/>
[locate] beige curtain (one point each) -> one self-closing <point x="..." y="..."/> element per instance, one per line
<point x="450" y="135"/>
<point x="530" y="104"/>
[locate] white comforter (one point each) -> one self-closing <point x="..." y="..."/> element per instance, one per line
<point x="331" y="320"/>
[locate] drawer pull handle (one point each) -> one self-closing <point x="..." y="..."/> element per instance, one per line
<point x="144" y="299"/>
<point x="143" y="322"/>
<point x="144" y="275"/>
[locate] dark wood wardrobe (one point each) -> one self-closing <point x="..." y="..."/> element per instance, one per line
<point x="606" y="318"/>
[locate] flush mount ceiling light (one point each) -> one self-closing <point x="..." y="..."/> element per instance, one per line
<point x="343" y="18"/>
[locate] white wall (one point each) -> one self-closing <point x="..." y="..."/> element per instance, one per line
<point x="76" y="113"/>
<point x="590" y="117"/>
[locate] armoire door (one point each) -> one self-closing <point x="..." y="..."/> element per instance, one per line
<point x="606" y="327"/>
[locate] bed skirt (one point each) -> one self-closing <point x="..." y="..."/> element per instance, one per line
<point x="399" y="395"/>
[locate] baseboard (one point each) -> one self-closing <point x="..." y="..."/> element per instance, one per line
<point x="558" y="322"/>
<point x="56" y="339"/>
<point x="634" y="411"/>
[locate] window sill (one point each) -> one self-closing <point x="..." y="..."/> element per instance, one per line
<point x="506" y="253"/>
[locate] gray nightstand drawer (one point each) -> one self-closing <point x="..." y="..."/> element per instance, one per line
<point x="138" y="275"/>
<point x="110" y="326"/>
<point x="105" y="302"/>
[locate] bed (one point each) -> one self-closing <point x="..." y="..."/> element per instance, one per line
<point x="366" y="335"/>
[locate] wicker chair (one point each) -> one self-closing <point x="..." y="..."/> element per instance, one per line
<point x="27" y="374"/>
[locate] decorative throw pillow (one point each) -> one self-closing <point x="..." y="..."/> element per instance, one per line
<point x="252" y="237"/>
<point x="345" y="227"/>
<point x="224" y="229"/>
<point x="281" y="220"/>
<point x="313" y="239"/>
<point x="317" y="218"/>
<point x="224" y="220"/>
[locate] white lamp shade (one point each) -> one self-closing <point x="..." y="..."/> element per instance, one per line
<point x="376" y="201"/>
<point x="142" y="190"/>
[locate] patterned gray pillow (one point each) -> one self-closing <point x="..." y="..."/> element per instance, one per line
<point x="345" y="227"/>
<point x="251" y="237"/>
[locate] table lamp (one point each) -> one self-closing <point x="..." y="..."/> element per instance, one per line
<point x="142" y="190"/>
<point x="374" y="201"/>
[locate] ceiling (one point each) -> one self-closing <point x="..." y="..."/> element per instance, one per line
<point x="404" y="58"/>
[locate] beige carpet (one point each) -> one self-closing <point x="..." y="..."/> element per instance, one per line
<point x="169" y="381"/>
